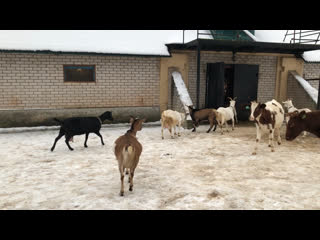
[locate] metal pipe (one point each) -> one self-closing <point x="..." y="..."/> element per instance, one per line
<point x="318" y="103"/>
<point x="183" y="36"/>
<point x="198" y="74"/>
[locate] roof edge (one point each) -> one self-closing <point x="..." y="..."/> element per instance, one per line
<point x="81" y="53"/>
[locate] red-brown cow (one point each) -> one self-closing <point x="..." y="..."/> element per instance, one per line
<point x="303" y="121"/>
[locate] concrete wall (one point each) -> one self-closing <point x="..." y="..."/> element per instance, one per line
<point x="44" y="117"/>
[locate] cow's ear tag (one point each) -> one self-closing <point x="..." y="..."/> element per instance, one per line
<point x="303" y="116"/>
<point x="247" y="108"/>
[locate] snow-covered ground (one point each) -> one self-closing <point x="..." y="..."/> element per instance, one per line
<point x="195" y="171"/>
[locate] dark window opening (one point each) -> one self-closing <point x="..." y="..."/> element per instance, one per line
<point x="78" y="73"/>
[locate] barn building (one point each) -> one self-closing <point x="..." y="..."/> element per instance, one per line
<point x="47" y="74"/>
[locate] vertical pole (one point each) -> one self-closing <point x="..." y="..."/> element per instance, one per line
<point x="318" y="103"/>
<point x="183" y="36"/>
<point x="198" y="75"/>
<point x="300" y="37"/>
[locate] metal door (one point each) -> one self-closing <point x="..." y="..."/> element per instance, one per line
<point x="245" y="88"/>
<point x="215" y="85"/>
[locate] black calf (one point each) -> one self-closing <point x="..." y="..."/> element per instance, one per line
<point x="81" y="125"/>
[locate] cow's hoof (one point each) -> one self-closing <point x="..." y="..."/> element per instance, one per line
<point x="272" y="150"/>
<point x="254" y="153"/>
<point x="279" y="143"/>
<point x="121" y="194"/>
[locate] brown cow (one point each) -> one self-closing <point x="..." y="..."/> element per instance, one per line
<point x="303" y="121"/>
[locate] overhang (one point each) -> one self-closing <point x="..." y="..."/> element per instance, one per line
<point x="243" y="46"/>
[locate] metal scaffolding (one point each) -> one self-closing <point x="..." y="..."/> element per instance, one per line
<point x="303" y="36"/>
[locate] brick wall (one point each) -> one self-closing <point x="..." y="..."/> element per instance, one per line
<point x="300" y="98"/>
<point x="312" y="70"/>
<point x="267" y="73"/>
<point x="35" y="81"/>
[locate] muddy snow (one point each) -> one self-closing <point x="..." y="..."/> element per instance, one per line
<point x="195" y="171"/>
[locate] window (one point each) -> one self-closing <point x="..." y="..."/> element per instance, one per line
<point x="79" y="73"/>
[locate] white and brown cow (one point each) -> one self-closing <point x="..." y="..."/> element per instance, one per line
<point x="303" y="121"/>
<point x="268" y="117"/>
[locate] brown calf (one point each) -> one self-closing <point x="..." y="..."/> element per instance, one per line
<point x="127" y="150"/>
<point x="198" y="115"/>
<point x="303" y="121"/>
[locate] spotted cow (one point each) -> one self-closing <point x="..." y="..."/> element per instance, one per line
<point x="268" y="117"/>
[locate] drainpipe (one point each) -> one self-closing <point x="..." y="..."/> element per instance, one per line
<point x="198" y="75"/>
<point x="318" y="103"/>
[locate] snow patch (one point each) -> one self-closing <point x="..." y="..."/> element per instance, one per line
<point x="182" y="92"/>
<point x="311" y="56"/>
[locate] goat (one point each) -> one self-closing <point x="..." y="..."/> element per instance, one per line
<point x="303" y="121"/>
<point x="127" y="150"/>
<point x="81" y="125"/>
<point x="267" y="116"/>
<point x="198" y="115"/>
<point x="226" y="114"/>
<point x="288" y="104"/>
<point x="170" y="119"/>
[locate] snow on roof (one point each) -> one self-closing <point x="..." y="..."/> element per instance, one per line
<point x="311" y="56"/>
<point x="146" y="42"/>
<point x="137" y="42"/>
<point x="271" y="35"/>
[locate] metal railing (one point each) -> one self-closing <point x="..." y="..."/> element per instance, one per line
<point x="303" y="36"/>
<point x="199" y="33"/>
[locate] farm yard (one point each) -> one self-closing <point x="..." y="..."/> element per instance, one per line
<point x="195" y="171"/>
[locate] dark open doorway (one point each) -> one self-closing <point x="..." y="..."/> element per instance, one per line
<point x="232" y="80"/>
<point x="228" y="83"/>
